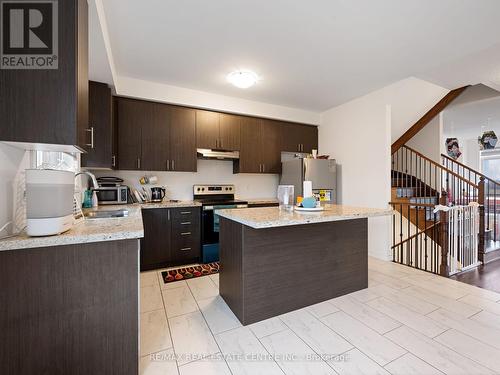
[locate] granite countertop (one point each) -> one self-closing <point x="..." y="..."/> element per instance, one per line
<point x="270" y="217"/>
<point x="170" y="204"/>
<point x="262" y="201"/>
<point x="89" y="230"/>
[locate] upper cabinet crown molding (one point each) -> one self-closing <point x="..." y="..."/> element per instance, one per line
<point x="51" y="106"/>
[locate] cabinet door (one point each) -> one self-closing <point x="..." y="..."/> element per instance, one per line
<point x="250" y="148"/>
<point x="290" y="137"/>
<point x="309" y="136"/>
<point x="155" y="137"/>
<point x="207" y="129"/>
<point x="270" y="146"/>
<point x="130" y="117"/>
<point x="50" y="105"/>
<point x="182" y="139"/>
<point x="155" y="246"/>
<point x="100" y="155"/>
<point x="229" y="132"/>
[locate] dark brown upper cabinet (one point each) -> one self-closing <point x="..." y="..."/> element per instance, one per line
<point x="100" y="147"/>
<point x="298" y="137"/>
<point x="155" y="137"/>
<point x="229" y="132"/>
<point x="207" y="129"/>
<point x="250" y="151"/>
<point x="260" y="147"/>
<point x="130" y="115"/>
<point x="51" y="105"/>
<point x="183" y="139"/>
<point x="218" y="131"/>
<point x="270" y="140"/>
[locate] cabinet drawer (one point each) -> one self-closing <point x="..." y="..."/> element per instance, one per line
<point x="185" y="248"/>
<point x="185" y="214"/>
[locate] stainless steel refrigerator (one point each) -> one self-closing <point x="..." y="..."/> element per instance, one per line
<point x="322" y="173"/>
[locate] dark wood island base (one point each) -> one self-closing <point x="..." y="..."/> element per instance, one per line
<point x="271" y="271"/>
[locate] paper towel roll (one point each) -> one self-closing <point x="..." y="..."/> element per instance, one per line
<point x="307" y="189"/>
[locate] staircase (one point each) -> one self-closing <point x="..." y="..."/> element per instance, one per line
<point x="460" y="236"/>
<point x="420" y="236"/>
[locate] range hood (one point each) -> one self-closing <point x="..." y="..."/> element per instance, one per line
<point x="204" y="153"/>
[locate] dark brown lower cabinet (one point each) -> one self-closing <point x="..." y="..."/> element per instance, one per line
<point x="155" y="246"/>
<point x="171" y="236"/>
<point x="70" y="309"/>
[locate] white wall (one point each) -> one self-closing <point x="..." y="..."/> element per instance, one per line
<point x="359" y="134"/>
<point x="180" y="184"/>
<point x="10" y="161"/>
<point x="428" y="141"/>
<point x="177" y="95"/>
<point x="410" y="98"/>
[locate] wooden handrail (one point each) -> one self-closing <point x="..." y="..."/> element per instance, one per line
<point x="433" y="112"/>
<point x="413" y="204"/>
<point x="469" y="169"/>
<point x="415" y="235"/>
<point x="440" y="166"/>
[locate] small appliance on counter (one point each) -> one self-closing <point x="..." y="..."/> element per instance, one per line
<point x="49" y="201"/>
<point x="111" y="191"/>
<point x="157" y="194"/>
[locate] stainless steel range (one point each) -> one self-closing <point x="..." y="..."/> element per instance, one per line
<point x="212" y="198"/>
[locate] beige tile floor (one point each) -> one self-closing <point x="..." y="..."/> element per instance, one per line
<point x="405" y="322"/>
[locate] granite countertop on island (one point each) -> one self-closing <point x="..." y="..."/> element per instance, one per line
<point x="170" y="204"/>
<point x="270" y="217"/>
<point x="89" y="230"/>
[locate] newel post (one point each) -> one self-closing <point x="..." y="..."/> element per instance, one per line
<point x="480" y="201"/>
<point x="444" y="269"/>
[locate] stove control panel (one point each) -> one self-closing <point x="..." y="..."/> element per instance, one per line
<point x="213" y="189"/>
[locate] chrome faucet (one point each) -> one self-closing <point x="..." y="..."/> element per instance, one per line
<point x="91" y="176"/>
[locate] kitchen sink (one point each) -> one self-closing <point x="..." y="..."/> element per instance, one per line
<point x="106" y="214"/>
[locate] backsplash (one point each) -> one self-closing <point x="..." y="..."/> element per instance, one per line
<point x="179" y="185"/>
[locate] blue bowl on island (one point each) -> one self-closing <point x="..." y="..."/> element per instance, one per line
<point x="309" y="202"/>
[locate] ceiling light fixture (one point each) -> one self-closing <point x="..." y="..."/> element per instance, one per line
<point x="243" y="78"/>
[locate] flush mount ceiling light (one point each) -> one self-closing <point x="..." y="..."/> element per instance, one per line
<point x="243" y="78"/>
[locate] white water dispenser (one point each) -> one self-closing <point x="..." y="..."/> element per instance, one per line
<point x="49" y="201"/>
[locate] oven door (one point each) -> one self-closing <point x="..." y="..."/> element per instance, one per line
<point x="210" y="231"/>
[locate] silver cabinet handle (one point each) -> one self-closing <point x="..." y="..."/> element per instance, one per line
<point x="91" y="131"/>
<point x="168" y="165"/>
<point x="186" y="223"/>
<point x="173" y="165"/>
<point x="113" y="161"/>
<point x="168" y="215"/>
<point x="138" y="163"/>
<point x="185" y="249"/>
<point x="185" y="212"/>
<point x="185" y="233"/>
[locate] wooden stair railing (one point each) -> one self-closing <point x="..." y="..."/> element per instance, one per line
<point x="413" y="246"/>
<point x="433" y="112"/>
<point x="415" y="175"/>
<point x="427" y="172"/>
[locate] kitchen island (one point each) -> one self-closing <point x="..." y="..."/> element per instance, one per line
<point x="274" y="261"/>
